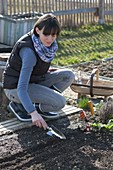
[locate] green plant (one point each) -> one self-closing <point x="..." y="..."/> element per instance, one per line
<point x="108" y="126"/>
<point x="83" y="103"/>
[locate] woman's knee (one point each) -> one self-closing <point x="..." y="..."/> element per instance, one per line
<point x="70" y="74"/>
<point x="61" y="102"/>
<point x="67" y="74"/>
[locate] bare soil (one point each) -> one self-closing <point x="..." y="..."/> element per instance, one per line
<point x="32" y="149"/>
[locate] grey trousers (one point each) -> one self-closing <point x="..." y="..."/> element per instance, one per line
<point x="50" y="100"/>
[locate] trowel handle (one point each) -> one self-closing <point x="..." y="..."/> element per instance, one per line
<point x="49" y="128"/>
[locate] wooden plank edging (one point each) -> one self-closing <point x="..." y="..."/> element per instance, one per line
<point x="14" y="124"/>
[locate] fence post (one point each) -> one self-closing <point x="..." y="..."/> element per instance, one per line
<point x="3" y="7"/>
<point x="101" y="11"/>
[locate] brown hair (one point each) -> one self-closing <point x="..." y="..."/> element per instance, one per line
<point x="50" y="24"/>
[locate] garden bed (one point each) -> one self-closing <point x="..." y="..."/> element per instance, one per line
<point x="32" y="149"/>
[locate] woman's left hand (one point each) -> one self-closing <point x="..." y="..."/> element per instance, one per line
<point x="38" y="120"/>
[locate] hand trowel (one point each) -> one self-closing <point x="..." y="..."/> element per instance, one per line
<point x="53" y="131"/>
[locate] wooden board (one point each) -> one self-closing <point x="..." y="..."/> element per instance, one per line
<point x="14" y="124"/>
<point x="93" y="84"/>
<point x="99" y="88"/>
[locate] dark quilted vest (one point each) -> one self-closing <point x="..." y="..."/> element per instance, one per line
<point x="14" y="64"/>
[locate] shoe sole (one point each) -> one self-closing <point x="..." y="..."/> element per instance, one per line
<point x="27" y="120"/>
<point x="50" y="117"/>
<point x="54" y="115"/>
<point x="12" y="111"/>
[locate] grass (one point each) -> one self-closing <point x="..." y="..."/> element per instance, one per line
<point x="84" y="44"/>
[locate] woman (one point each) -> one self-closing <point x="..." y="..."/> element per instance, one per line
<point x="33" y="89"/>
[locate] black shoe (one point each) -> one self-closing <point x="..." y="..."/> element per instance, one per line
<point x="19" y="111"/>
<point x="48" y="115"/>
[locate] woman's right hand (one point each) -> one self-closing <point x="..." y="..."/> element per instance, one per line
<point x="38" y="120"/>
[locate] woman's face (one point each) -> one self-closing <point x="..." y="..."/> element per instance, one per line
<point x="47" y="40"/>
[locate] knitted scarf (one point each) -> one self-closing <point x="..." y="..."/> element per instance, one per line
<point x="45" y="53"/>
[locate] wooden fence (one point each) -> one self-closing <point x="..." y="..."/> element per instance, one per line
<point x="69" y="12"/>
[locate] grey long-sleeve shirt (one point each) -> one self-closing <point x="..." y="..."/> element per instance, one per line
<point x="28" y="62"/>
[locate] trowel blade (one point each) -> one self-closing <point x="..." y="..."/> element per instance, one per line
<point x="54" y="131"/>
